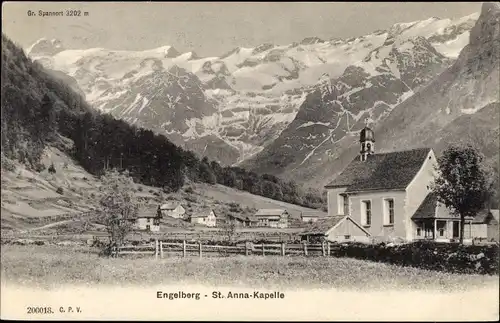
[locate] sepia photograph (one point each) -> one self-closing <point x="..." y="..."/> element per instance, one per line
<point x="235" y="161"/>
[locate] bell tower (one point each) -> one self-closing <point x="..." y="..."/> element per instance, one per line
<point x="367" y="141"/>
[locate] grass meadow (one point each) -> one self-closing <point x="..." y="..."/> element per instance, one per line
<point x="54" y="266"/>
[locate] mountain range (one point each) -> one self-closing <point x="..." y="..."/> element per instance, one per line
<point x="295" y="110"/>
<point x="448" y="102"/>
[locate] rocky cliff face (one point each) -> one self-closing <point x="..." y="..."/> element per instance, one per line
<point x="337" y="108"/>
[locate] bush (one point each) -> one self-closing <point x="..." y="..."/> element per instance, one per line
<point x="448" y="257"/>
<point x="59" y="190"/>
<point x="52" y="169"/>
<point x="189" y="190"/>
<point x="7" y="164"/>
<point x="39" y="167"/>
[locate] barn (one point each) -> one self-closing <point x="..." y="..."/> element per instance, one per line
<point x="485" y="225"/>
<point x="335" y="229"/>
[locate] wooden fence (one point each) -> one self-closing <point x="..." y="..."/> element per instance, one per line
<point x="162" y="249"/>
<point x="214" y="236"/>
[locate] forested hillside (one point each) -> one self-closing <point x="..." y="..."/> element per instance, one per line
<point x="37" y="108"/>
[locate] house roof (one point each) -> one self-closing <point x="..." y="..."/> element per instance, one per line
<point x="496" y="214"/>
<point x="316" y="214"/>
<point x="204" y="214"/>
<point x="394" y="170"/>
<point x="169" y="206"/>
<point x="322" y="225"/>
<point x="325" y="225"/>
<point x="266" y="212"/>
<point x="488" y="217"/>
<point x="243" y="218"/>
<point x="311" y="215"/>
<point x="431" y="209"/>
<point x="199" y="216"/>
<point x="427" y="208"/>
<point x="146" y="213"/>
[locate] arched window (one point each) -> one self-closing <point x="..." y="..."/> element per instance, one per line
<point x="368" y="147"/>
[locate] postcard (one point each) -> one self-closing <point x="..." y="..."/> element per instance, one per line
<point x="250" y="161"/>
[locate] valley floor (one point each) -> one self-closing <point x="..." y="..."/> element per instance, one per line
<point x="57" y="266"/>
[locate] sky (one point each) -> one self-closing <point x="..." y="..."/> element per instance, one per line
<point x="211" y="28"/>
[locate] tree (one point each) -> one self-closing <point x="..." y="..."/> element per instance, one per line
<point x="46" y="117"/>
<point x="461" y="183"/>
<point x="229" y="178"/>
<point x="229" y="229"/>
<point x="492" y="184"/>
<point x="52" y="169"/>
<point x="119" y="207"/>
<point x="206" y="173"/>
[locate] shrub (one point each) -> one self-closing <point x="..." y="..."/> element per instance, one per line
<point x="7" y="164"/>
<point x="59" y="190"/>
<point x="448" y="257"/>
<point x="140" y="189"/>
<point x="39" y="167"/>
<point x="189" y="190"/>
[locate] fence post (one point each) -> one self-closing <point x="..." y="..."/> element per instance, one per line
<point x="305" y="248"/>
<point x="323" y="249"/>
<point x="283" y="249"/>
<point x="183" y="248"/>
<point x="328" y="253"/>
<point x="199" y="244"/>
<point x="246" y="249"/>
<point x="263" y="250"/>
<point x="156" y="248"/>
<point x="161" y="249"/>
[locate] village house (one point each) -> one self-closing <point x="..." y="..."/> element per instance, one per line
<point x="336" y="229"/>
<point x="486" y="225"/>
<point x="388" y="195"/>
<point x="242" y="221"/>
<point x="207" y="218"/>
<point x="147" y="221"/>
<point x="312" y="216"/>
<point x="436" y="222"/>
<point x="273" y="218"/>
<point x="173" y="210"/>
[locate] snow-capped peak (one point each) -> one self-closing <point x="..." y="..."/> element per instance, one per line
<point x="168" y="51"/>
<point x="43" y="46"/>
<point x="256" y="91"/>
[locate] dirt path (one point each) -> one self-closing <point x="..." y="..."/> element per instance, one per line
<point x="50" y="225"/>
